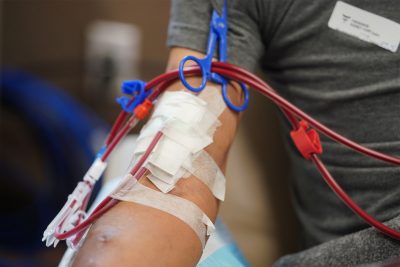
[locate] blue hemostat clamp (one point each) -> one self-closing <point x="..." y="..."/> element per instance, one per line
<point x="136" y="89"/>
<point x="217" y="37"/>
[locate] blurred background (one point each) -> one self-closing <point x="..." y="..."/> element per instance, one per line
<point x="62" y="62"/>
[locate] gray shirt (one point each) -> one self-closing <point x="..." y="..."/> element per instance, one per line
<point x="348" y="84"/>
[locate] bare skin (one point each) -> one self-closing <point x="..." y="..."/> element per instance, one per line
<point x="135" y="235"/>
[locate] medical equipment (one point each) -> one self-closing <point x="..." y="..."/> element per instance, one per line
<point x="218" y="31"/>
<point x="304" y="134"/>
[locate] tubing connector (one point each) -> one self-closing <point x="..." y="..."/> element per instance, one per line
<point x="143" y="110"/>
<point x="306" y="140"/>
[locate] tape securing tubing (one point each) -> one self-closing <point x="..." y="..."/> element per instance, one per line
<point x="183" y="209"/>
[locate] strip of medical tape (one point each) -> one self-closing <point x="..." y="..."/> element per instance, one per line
<point x="203" y="168"/>
<point x="169" y="156"/>
<point x="188" y="108"/>
<point x="171" y="105"/>
<point x="183" y="209"/>
<point x="212" y="96"/>
<point x="200" y="165"/>
<point x="207" y="171"/>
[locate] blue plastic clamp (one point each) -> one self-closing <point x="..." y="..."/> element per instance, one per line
<point x="136" y="89"/>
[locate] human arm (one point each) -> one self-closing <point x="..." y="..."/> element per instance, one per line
<point x="132" y="234"/>
<point x="127" y="231"/>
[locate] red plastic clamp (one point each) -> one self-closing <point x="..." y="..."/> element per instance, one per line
<point x="306" y="140"/>
<point x="143" y="109"/>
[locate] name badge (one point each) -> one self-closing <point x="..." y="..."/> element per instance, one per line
<point x="366" y="26"/>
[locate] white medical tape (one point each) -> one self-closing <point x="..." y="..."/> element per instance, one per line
<point x="213" y="97"/>
<point x="203" y="167"/>
<point x="181" y="105"/>
<point x="188" y="136"/>
<point x="188" y="123"/>
<point x="95" y="171"/>
<point x="181" y="208"/>
<point x="170" y="106"/>
<point x="169" y="156"/>
<point x="191" y="110"/>
<point x="207" y="171"/>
